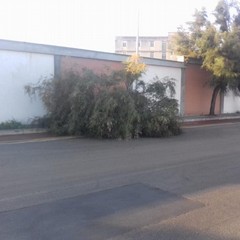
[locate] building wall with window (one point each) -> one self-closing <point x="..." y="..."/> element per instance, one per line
<point x="152" y="47"/>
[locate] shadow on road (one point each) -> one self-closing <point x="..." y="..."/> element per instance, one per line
<point x="200" y="159"/>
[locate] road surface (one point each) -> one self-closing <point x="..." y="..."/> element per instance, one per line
<point x="184" y="187"/>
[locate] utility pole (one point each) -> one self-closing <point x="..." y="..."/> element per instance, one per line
<point x="137" y="36"/>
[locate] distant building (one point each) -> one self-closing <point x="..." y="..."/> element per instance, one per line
<point x="152" y="47"/>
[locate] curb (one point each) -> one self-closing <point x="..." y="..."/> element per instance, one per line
<point x="210" y="121"/>
<point x="23" y="135"/>
<point x="41" y="134"/>
<point x="33" y="140"/>
<point x="22" y="131"/>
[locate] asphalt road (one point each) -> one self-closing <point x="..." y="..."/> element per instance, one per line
<point x="184" y="187"/>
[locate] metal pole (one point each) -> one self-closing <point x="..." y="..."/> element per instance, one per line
<point x="137" y="36"/>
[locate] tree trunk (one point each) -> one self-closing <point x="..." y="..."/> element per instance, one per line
<point x="213" y="101"/>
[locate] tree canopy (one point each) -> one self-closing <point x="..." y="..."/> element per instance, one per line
<point x="216" y="42"/>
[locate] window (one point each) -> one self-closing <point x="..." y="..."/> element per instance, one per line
<point x="124" y="44"/>
<point x="164" y="50"/>
<point x="164" y="47"/>
<point x="151" y="54"/>
<point x="151" y="43"/>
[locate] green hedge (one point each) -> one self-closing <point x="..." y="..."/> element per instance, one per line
<point x="106" y="106"/>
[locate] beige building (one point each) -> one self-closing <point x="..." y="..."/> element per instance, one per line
<point x="153" y="47"/>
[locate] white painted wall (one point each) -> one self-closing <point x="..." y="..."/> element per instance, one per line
<point x="17" y="70"/>
<point x="161" y="72"/>
<point x="231" y="103"/>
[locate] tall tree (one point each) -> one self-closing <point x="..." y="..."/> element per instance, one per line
<point x="217" y="44"/>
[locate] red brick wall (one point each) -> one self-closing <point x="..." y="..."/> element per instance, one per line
<point x="76" y="65"/>
<point x="197" y="91"/>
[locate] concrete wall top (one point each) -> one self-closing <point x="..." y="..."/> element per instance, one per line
<point x="81" y="53"/>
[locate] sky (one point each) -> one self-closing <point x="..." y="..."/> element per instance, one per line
<point x="93" y="24"/>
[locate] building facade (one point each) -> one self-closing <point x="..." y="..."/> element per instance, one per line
<point x="152" y="47"/>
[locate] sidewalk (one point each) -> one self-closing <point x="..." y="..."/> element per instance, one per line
<point x="24" y="134"/>
<point x="188" y="121"/>
<point x="207" y="120"/>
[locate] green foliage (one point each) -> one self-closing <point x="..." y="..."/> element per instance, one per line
<point x="114" y="115"/>
<point x="216" y="43"/>
<point x="134" y="68"/>
<point x="107" y="106"/>
<point x="11" y="124"/>
<point x="40" y="122"/>
<point x="56" y="96"/>
<point x="158" y="110"/>
<point x="37" y="122"/>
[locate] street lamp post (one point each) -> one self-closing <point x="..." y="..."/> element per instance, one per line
<point x="137" y="36"/>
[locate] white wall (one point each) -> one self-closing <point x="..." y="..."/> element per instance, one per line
<point x="17" y="70"/>
<point x="231" y="103"/>
<point x="161" y="72"/>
